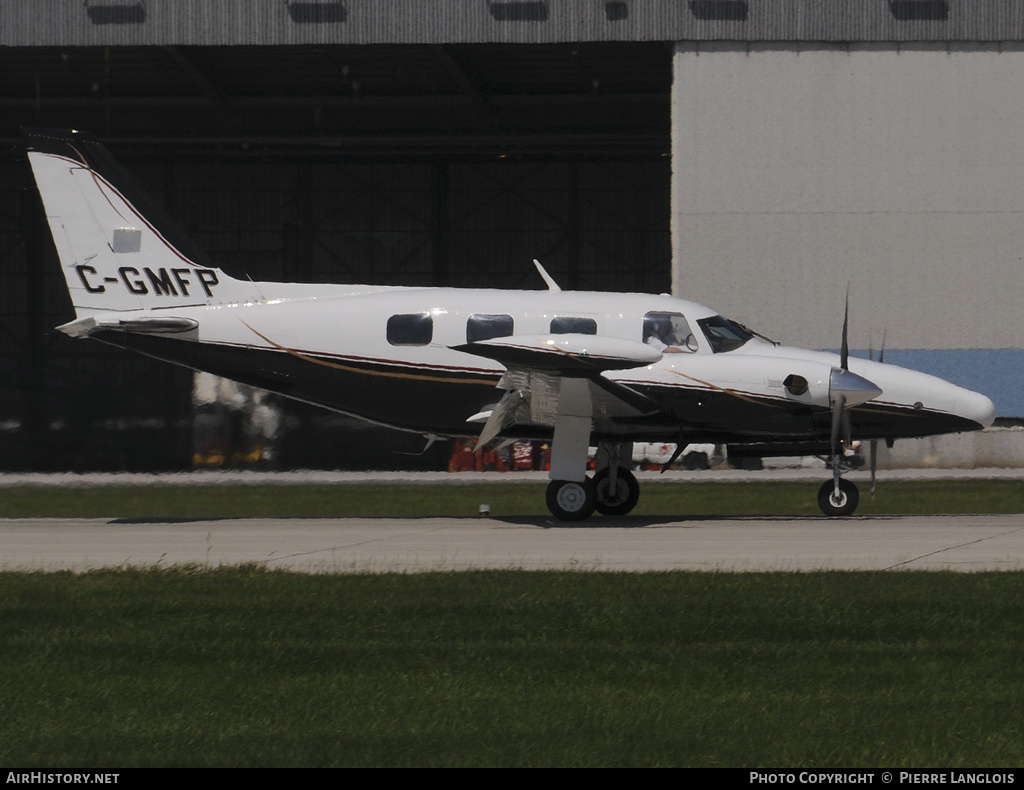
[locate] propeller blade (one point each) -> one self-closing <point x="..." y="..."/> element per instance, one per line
<point x="838" y="407"/>
<point x="874" y="442"/>
<point x="873" y="447"/>
<point x="844" y="352"/>
<point x="874" y="465"/>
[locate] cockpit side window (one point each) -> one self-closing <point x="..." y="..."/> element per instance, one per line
<point x="481" y="326"/>
<point x="669" y="332"/>
<point x="565" y="324"/>
<point x="722" y="334"/>
<point x="410" y="329"/>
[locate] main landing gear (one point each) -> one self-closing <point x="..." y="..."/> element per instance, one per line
<point x="612" y="491"/>
<point x="571" y="501"/>
<point x="617" y="491"/>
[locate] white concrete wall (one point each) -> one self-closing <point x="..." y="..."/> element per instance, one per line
<point x="800" y="169"/>
<point x="992" y="448"/>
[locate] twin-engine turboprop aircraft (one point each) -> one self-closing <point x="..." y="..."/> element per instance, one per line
<point x="576" y="368"/>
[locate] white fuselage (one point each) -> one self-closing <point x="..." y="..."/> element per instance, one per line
<point x="343" y="331"/>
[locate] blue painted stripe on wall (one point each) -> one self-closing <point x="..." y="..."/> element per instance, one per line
<point x="996" y="372"/>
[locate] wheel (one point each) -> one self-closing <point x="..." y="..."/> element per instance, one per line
<point x="620" y="501"/>
<point x="844" y="504"/>
<point x="571" y="501"/>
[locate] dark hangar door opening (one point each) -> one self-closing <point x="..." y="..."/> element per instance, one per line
<point x="420" y="165"/>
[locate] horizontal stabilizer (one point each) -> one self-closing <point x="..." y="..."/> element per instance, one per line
<point x="568" y="354"/>
<point x="84" y="327"/>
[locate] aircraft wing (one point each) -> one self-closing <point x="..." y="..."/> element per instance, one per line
<point x="566" y="354"/>
<point x="537" y="366"/>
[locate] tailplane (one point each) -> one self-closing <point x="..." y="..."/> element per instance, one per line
<point x="118" y="249"/>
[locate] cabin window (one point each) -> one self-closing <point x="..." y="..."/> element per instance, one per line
<point x="411" y="329"/>
<point x="723" y="334"/>
<point x="564" y="325"/>
<point x="484" y="327"/>
<point x="666" y="331"/>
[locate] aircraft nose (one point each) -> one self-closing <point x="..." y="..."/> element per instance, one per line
<point x="977" y="407"/>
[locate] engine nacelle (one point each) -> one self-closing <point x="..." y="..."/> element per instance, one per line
<point x="808" y="382"/>
<point x="824" y="385"/>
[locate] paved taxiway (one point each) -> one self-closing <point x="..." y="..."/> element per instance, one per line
<point x="633" y="543"/>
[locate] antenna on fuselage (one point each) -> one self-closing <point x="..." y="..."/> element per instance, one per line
<point x="552" y="285"/>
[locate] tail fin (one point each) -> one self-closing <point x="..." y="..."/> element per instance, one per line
<point x="118" y="248"/>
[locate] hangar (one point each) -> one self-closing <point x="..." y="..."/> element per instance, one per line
<point x="760" y="156"/>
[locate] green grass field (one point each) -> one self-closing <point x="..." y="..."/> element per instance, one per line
<point x="506" y="499"/>
<point x="250" y="668"/>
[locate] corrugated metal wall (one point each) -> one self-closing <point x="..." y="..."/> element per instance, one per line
<point x="234" y="22"/>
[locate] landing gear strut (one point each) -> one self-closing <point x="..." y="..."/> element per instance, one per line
<point x="570" y="495"/>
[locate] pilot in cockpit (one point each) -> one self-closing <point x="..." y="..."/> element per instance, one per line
<point x="662" y="337"/>
<point x="668" y="333"/>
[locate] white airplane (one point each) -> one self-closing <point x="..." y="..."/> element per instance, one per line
<point x="576" y="368"/>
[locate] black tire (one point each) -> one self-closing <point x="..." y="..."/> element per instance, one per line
<point x="623" y="499"/>
<point x="845" y="504"/>
<point x="571" y="501"/>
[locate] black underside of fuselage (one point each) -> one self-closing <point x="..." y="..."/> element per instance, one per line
<point x="438" y="401"/>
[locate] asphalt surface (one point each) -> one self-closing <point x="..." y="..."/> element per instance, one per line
<point x="631" y="543"/>
<point x="363" y="545"/>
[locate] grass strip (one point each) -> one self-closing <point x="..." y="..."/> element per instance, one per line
<point x="242" y="667"/>
<point x="511" y="499"/>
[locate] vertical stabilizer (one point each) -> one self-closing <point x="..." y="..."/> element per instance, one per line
<point x="118" y="248"/>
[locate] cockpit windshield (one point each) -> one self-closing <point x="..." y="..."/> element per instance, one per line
<point x="722" y="334"/>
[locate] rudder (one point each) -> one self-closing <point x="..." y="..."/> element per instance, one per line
<point x="118" y="248"/>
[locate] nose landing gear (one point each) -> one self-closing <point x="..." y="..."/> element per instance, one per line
<point x="838" y="497"/>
